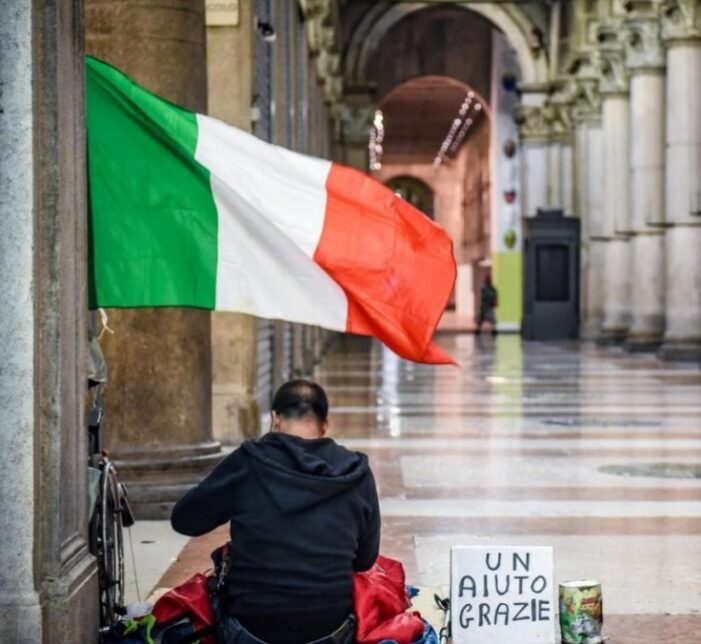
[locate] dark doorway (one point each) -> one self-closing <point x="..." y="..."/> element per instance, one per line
<point x="551" y="277"/>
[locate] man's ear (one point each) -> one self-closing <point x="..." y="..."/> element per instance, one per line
<point x="324" y="427"/>
<point x="274" y="421"/>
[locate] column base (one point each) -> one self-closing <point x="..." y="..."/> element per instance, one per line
<point x="157" y="477"/>
<point x="642" y="343"/>
<point x="680" y="351"/>
<point x="72" y="610"/>
<point x="611" y="337"/>
<point x="590" y="329"/>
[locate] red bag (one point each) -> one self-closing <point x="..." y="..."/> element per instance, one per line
<point x="380" y="600"/>
<point x="190" y="599"/>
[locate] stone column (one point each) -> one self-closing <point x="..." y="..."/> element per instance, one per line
<point x="533" y="116"/>
<point x="681" y="22"/>
<point x="158" y="401"/>
<point x="589" y="162"/>
<point x="616" y="195"/>
<point x="48" y="579"/>
<point x="234" y="335"/>
<point x="645" y="61"/>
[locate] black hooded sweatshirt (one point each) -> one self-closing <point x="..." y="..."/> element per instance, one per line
<point x="304" y="515"/>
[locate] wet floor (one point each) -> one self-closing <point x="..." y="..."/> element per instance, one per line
<point x="592" y="451"/>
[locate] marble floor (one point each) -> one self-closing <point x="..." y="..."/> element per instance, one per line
<point x="533" y="443"/>
<point x="516" y="448"/>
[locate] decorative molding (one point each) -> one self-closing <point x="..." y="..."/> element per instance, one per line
<point x="584" y="64"/>
<point x="320" y="24"/>
<point x="681" y="20"/>
<point x="585" y="70"/>
<point x="533" y="121"/>
<point x="641" y="36"/>
<point x="355" y="123"/>
<point x="328" y="68"/>
<point x="313" y="8"/>
<point x="333" y="89"/>
<point x="587" y="102"/>
<point x="322" y="29"/>
<point x="559" y="109"/>
<point x="614" y="77"/>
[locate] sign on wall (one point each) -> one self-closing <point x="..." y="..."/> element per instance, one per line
<point x="222" y="13"/>
<point x="502" y="595"/>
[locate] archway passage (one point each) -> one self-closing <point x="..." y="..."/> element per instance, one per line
<point x="371" y="21"/>
<point x="435" y="140"/>
<point x="436" y="74"/>
<point x="422" y="114"/>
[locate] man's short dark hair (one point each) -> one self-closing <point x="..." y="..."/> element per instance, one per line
<point x="301" y="399"/>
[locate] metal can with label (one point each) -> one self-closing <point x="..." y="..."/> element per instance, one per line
<point x="581" y="612"/>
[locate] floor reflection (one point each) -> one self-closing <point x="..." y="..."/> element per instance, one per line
<point x="509" y="449"/>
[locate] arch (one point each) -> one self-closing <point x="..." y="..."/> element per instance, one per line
<point x="448" y="80"/>
<point x="379" y="20"/>
<point x="420" y="112"/>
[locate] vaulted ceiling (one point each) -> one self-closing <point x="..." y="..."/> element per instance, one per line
<point x="418" y="115"/>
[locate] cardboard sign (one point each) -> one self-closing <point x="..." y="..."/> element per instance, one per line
<point x="502" y="595"/>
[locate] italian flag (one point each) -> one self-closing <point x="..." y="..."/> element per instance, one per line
<point x="186" y="211"/>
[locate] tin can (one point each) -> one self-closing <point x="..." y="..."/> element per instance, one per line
<point x="581" y="612"/>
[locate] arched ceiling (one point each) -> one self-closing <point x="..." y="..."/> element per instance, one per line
<point x="439" y="41"/>
<point x="367" y="27"/>
<point x="417" y="116"/>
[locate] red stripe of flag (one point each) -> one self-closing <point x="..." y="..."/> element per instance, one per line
<point x="395" y="265"/>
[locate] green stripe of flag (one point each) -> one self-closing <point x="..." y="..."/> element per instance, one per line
<point x="153" y="221"/>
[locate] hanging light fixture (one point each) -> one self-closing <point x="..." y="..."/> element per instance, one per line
<point x="375" y="139"/>
<point x="468" y="112"/>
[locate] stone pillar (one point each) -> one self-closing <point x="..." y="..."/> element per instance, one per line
<point x="158" y="404"/>
<point x="589" y="162"/>
<point x="645" y="61"/>
<point x="681" y="23"/>
<point x="234" y="336"/>
<point x="561" y="148"/>
<point x="48" y="583"/>
<point x="616" y="194"/>
<point x="533" y="118"/>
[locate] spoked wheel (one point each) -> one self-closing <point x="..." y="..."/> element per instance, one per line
<point x="107" y="529"/>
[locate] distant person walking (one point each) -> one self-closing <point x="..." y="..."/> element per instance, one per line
<point x="489" y="300"/>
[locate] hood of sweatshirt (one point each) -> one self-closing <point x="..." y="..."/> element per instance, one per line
<point x="299" y="473"/>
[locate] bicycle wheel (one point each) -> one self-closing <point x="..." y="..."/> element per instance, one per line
<point x="110" y="547"/>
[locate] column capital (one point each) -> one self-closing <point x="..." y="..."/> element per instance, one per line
<point x="614" y="75"/>
<point x="559" y="109"/>
<point x="587" y="103"/>
<point x="314" y="8"/>
<point x="533" y="121"/>
<point x="328" y="69"/>
<point x="319" y="20"/>
<point x="644" y="50"/>
<point x="355" y="122"/>
<point x="681" y="20"/>
<point x="585" y="68"/>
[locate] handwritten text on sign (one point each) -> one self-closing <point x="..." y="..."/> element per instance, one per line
<point x="502" y="595"/>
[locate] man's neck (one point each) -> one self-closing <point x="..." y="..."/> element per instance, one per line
<point x="305" y="430"/>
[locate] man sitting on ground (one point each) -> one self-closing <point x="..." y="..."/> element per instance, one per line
<point x="304" y="515"/>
